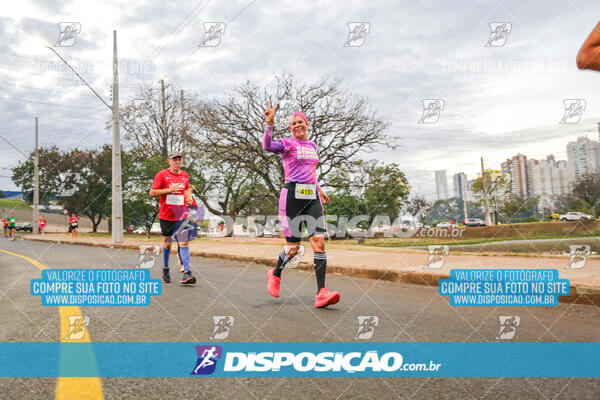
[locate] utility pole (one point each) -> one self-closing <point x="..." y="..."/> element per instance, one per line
<point x="182" y="120"/>
<point x="465" y="197"/>
<point x="488" y="218"/>
<point x="117" y="190"/>
<point x="36" y="184"/>
<point x="164" y="117"/>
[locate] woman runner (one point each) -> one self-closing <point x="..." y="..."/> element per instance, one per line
<point x="299" y="200"/>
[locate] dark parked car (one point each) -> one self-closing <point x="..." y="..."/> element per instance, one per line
<point x="24" y="226"/>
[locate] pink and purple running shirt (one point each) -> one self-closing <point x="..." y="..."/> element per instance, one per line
<point x="299" y="157"/>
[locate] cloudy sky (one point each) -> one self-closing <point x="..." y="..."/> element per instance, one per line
<point x="498" y="100"/>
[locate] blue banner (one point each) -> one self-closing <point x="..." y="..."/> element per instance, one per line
<point x="95" y="287"/>
<point x="503" y="287"/>
<point x="224" y="359"/>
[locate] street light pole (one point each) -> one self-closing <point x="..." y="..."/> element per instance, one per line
<point x="117" y="190"/>
<point x="36" y="184"/>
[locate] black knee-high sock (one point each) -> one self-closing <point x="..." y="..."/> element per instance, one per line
<point x="320" y="269"/>
<point x="283" y="259"/>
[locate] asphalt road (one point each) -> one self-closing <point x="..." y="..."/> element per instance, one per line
<point x="407" y="313"/>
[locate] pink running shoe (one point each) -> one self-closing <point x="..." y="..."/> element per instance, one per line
<point x="325" y="298"/>
<point x="273" y="283"/>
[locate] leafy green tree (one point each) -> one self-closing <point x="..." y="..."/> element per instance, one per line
<point x="587" y="191"/>
<point x="518" y="209"/>
<point x="51" y="174"/>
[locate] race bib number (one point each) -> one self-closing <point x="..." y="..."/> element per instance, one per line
<point x="306" y="191"/>
<point x="175" y="199"/>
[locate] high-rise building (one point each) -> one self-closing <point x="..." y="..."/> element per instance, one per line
<point x="460" y="186"/>
<point x="583" y="158"/>
<point x="441" y="184"/>
<point x="517" y="168"/>
<point x="547" y="177"/>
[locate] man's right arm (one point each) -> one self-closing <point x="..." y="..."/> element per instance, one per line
<point x="160" y="192"/>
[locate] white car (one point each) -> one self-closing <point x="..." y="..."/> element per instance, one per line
<point x="445" y="225"/>
<point x="576" y="216"/>
<point x="474" y="222"/>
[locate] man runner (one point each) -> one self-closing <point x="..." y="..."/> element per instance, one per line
<point x="173" y="187"/>
<point x="12" y="222"/>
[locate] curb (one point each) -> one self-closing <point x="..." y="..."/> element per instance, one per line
<point x="580" y="294"/>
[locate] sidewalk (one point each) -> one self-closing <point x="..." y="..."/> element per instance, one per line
<point x="392" y="264"/>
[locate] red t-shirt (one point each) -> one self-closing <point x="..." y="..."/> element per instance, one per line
<point x="42" y="222"/>
<point x="5" y="222"/>
<point x="172" y="206"/>
<point x="73" y="221"/>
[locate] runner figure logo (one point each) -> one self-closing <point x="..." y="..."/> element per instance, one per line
<point x="432" y="109"/>
<point x="499" y="32"/>
<point x="212" y="34"/>
<point x="574" y="108"/>
<point x="357" y="34"/>
<point x="366" y="326"/>
<point x="68" y="32"/>
<point x="437" y="256"/>
<point x="579" y="254"/>
<point x="508" y="327"/>
<point x="295" y="261"/>
<point x="69" y="183"/>
<point x="222" y="326"/>
<point x="207" y="359"/>
<point x="77" y="326"/>
<point x="148" y="253"/>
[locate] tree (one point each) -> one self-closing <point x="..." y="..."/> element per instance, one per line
<point x="92" y="196"/>
<point x="418" y="206"/>
<point x="371" y="188"/>
<point x="51" y="174"/>
<point x="231" y="129"/>
<point x="587" y="191"/>
<point x="142" y="122"/>
<point x="80" y="180"/>
<point x="2" y="195"/>
<point x="518" y="209"/>
<point x="229" y="189"/>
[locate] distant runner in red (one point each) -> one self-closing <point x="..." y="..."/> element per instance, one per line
<point x="73" y="225"/>
<point x="5" y="222"/>
<point x="173" y="187"/>
<point x="42" y="225"/>
<point x="589" y="54"/>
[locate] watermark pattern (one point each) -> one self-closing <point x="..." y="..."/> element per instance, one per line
<point x="578" y="256"/>
<point x="366" y="326"/>
<point x="213" y="31"/>
<point x="508" y="327"/>
<point x="295" y="261"/>
<point x="148" y="254"/>
<point x="208" y="357"/>
<point x="432" y="109"/>
<point x="437" y="256"/>
<point x="574" y="108"/>
<point x="77" y="326"/>
<point x="68" y="32"/>
<point x="499" y="32"/>
<point x="357" y="34"/>
<point x="222" y="326"/>
<point x="69" y="183"/>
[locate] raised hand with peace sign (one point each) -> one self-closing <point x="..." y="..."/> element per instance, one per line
<point x="270" y="113"/>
